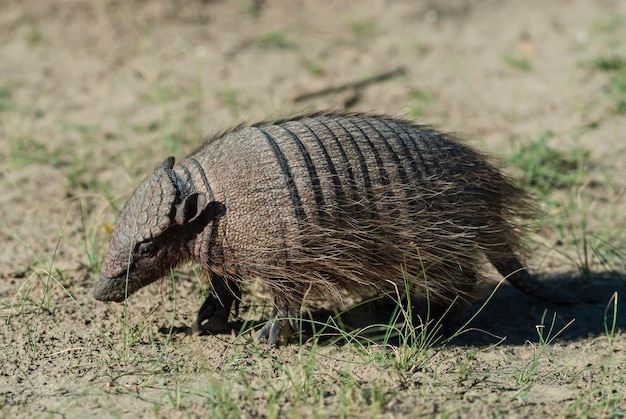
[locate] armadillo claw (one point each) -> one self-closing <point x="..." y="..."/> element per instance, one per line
<point x="212" y="317"/>
<point x="278" y="327"/>
<point x="212" y="326"/>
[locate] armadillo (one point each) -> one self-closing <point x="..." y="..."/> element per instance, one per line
<point x="323" y="206"/>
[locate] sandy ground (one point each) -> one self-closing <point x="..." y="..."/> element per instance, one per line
<point x="94" y="94"/>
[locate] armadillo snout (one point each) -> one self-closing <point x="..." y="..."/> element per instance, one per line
<point x="110" y="289"/>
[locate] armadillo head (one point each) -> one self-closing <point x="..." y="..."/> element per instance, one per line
<point x="148" y="239"/>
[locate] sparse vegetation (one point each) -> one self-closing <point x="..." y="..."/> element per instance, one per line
<point x="276" y="39"/>
<point x="93" y="97"/>
<point x="520" y="63"/>
<point x="363" y="29"/>
<point x="6" y="102"/>
<point x="230" y="97"/>
<point x="608" y="63"/>
<point x="419" y="101"/>
<point x="546" y="168"/>
<point x="313" y="67"/>
<point x="615" y="65"/>
<point x="560" y="178"/>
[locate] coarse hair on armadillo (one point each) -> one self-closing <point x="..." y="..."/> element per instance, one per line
<point x="432" y="208"/>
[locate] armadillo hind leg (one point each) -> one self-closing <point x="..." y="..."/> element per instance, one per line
<point x="282" y="323"/>
<point x="213" y="315"/>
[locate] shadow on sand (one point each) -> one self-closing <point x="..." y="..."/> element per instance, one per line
<point x="510" y="316"/>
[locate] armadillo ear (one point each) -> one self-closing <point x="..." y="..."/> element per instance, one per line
<point x="191" y="207"/>
<point x="168" y="163"/>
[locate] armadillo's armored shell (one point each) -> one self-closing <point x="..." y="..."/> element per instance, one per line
<point x="325" y="203"/>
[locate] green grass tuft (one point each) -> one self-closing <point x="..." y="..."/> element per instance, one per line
<point x="522" y="64"/>
<point x="545" y="168"/>
<point x="607" y="63"/>
<point x="312" y="67"/>
<point x="363" y="29"/>
<point x="277" y="39"/>
<point x="418" y="102"/>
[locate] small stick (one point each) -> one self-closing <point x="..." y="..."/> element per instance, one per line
<point x="352" y="85"/>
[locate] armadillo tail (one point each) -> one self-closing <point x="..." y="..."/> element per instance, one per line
<point x="518" y="276"/>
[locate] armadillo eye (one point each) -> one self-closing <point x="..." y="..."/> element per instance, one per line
<point x="145" y="248"/>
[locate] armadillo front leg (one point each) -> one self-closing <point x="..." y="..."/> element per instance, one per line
<point x="213" y="315"/>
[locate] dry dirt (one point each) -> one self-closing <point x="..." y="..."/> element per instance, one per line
<point x="93" y="94"/>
